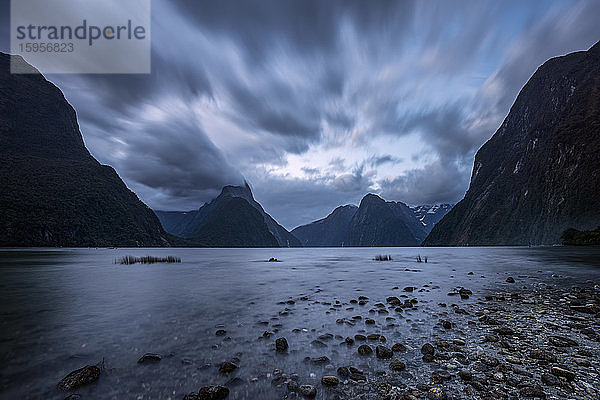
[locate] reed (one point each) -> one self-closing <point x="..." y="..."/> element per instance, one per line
<point x="128" y="260"/>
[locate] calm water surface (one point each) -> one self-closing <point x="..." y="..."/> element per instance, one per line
<point x="65" y="308"/>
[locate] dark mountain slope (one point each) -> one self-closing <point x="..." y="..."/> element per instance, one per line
<point x="540" y="172"/>
<point x="381" y="223"/>
<point x="52" y="191"/>
<point x="330" y="231"/>
<point x="187" y="224"/>
<point x="234" y="223"/>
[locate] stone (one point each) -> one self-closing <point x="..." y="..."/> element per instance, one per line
<point x="365" y="350"/>
<point x="221" y="332"/>
<point x="550" y="380"/>
<point x="397" y="365"/>
<point x="510" y="279"/>
<point x="428" y="349"/>
<point x="561" y="341"/>
<point x="542" y="355"/>
<point x="383" y="352"/>
<point x="149" y="358"/>
<point x="344" y="372"/>
<point x="281" y="345"/>
<point x="349" y="341"/>
<point x="213" y="393"/>
<point x="321" y="360"/>
<point x="465" y="375"/>
<point x="398" y="347"/>
<point x="532" y="391"/>
<point x="330" y="380"/>
<point x="80" y="377"/>
<point x="227" y="367"/>
<point x="563" y="372"/>
<point x="308" y="391"/>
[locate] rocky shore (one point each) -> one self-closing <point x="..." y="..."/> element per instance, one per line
<point x="517" y="341"/>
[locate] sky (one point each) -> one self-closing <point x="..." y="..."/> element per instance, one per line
<point x="317" y="103"/>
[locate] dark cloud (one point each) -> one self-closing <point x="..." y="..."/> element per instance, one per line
<point x="433" y="183"/>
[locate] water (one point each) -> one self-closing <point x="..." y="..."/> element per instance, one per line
<point x="65" y="308"/>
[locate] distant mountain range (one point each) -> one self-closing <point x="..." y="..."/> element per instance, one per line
<point x="232" y="219"/>
<point x="429" y="214"/>
<point x="540" y="172"/>
<point x="52" y="191"/>
<point x="374" y="223"/>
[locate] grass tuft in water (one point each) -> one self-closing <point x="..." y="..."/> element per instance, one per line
<point x="383" y="258"/>
<point x="128" y="260"/>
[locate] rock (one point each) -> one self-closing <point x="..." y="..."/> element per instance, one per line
<point x="365" y="350"/>
<point x="330" y="381"/>
<point x="510" y="279"/>
<point x="561" y="341"/>
<point x="212" y="393"/>
<point x="465" y="375"/>
<point x="398" y="347"/>
<point x="369" y="321"/>
<point x="447" y="324"/>
<point x="409" y="289"/>
<point x="360" y="338"/>
<point x="221" y="332"/>
<point x="393" y="300"/>
<point x="383" y="352"/>
<point x="349" y="341"/>
<point x="504" y="331"/>
<point x="428" y="358"/>
<point x="83" y="376"/>
<point x="293" y="386"/>
<point x="227" y="367"/>
<point x="326" y="336"/>
<point x="308" y="391"/>
<point x="397" y="365"/>
<point x="550" y="380"/>
<point x="436" y="393"/>
<point x="344" y="372"/>
<point x="532" y="391"/>
<point x="428" y="349"/>
<point x="318" y="343"/>
<point x="281" y="345"/>
<point x="149" y="357"/>
<point x="321" y="360"/>
<point x="542" y="355"/>
<point x="563" y="372"/>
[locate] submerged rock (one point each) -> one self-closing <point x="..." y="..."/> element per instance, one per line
<point x="227" y="367"/>
<point x="383" y="352"/>
<point x="83" y="376"/>
<point x="330" y="381"/>
<point x="209" y="393"/>
<point x="149" y="357"/>
<point x="281" y="345"/>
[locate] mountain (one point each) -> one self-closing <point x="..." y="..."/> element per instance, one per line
<point x="429" y="215"/>
<point x="191" y="223"/>
<point x="52" y="191"/>
<point x="234" y="223"/>
<point x="539" y="174"/>
<point x="381" y="223"/>
<point x="330" y="231"/>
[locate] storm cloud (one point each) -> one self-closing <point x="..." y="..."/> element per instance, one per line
<point x="317" y="103"/>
